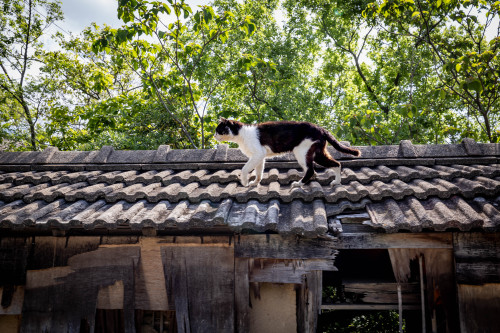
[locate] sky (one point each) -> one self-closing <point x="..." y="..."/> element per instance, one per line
<point x="79" y="14"/>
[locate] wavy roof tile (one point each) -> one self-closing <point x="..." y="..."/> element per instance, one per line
<point x="392" y="188"/>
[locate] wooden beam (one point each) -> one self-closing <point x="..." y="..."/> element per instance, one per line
<point x="398" y="240"/>
<point x="350" y="306"/>
<point x="282" y="247"/>
<point x="383" y="293"/>
<point x="287" y="271"/>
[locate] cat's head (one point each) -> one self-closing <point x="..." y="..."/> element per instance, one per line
<point x="227" y="129"/>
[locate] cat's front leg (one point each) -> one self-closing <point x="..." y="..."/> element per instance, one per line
<point x="253" y="163"/>
<point x="259" y="171"/>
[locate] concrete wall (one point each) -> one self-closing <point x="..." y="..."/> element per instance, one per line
<point x="275" y="310"/>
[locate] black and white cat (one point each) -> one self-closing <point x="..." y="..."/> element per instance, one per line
<point x="307" y="142"/>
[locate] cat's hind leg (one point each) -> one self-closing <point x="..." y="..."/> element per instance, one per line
<point x="305" y="159"/>
<point x="323" y="158"/>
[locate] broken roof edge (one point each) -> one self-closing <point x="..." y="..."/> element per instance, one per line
<point x="234" y="157"/>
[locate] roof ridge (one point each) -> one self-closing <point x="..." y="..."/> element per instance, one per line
<point x="223" y="154"/>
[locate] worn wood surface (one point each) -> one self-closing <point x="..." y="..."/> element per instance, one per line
<point x="287" y="271"/>
<point x="439" y="281"/>
<point x="279" y="247"/>
<point x="150" y="291"/>
<point x="479" y="307"/>
<point x="14" y="252"/>
<point x="60" y="299"/>
<point x="68" y="277"/>
<point x="14" y="306"/>
<point x="477" y="257"/>
<point x="10" y="324"/>
<point x="397" y="240"/>
<point x="200" y="281"/>
<point x="242" y="294"/>
<point x="309" y="302"/>
<point x="363" y="307"/>
<point x="384" y="293"/>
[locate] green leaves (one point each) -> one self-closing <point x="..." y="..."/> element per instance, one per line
<point x="248" y="26"/>
<point x="474" y="84"/>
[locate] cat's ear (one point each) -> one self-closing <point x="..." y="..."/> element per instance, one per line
<point x="222" y="120"/>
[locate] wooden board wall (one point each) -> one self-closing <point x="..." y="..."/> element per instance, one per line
<point x="309" y="302"/>
<point x="479" y="308"/>
<point x="200" y="281"/>
<point x="477" y="261"/>
<point x="439" y="283"/>
<point x="62" y="284"/>
<point x="477" y="257"/>
<point x="60" y="299"/>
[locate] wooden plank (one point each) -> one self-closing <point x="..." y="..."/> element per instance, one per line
<point x="287" y="271"/>
<point x="62" y="298"/>
<point x="55" y="251"/>
<point x="10" y="323"/>
<point x="281" y="247"/>
<point x="242" y="294"/>
<point x="479" y="307"/>
<point x="196" y="240"/>
<point x="384" y="292"/>
<point x="150" y="291"/>
<point x="398" y="240"/>
<point x="15" y="304"/>
<point x="111" y="297"/>
<point x="475" y="245"/>
<point x="477" y="258"/>
<point x="309" y="302"/>
<point x="14" y="253"/>
<point x="478" y="272"/>
<point x="352" y="307"/>
<point x="200" y="281"/>
<point x="438" y="278"/>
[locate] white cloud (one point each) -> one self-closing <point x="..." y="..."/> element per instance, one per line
<point x="79" y="14"/>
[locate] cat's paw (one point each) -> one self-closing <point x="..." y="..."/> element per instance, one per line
<point x="244" y="182"/>
<point x="297" y="184"/>
<point x="253" y="183"/>
<point x="335" y="182"/>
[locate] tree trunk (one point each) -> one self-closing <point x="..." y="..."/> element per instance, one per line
<point x="31" y="125"/>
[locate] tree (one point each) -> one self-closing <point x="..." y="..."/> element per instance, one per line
<point x="94" y="92"/>
<point x="171" y="58"/>
<point x="286" y="90"/>
<point x="467" y="65"/>
<point x="22" y="24"/>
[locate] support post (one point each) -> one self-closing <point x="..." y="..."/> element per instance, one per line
<point x="400" y="308"/>
<point x="422" y="290"/>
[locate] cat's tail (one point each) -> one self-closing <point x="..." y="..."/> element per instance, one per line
<point x="340" y="147"/>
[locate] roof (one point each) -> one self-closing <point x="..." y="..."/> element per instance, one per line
<point x="396" y="188"/>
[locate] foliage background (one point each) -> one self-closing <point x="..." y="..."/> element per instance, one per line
<point x="370" y="72"/>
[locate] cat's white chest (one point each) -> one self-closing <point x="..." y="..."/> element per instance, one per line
<point x="248" y="141"/>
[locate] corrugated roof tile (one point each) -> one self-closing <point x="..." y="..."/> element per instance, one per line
<point x="430" y="187"/>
